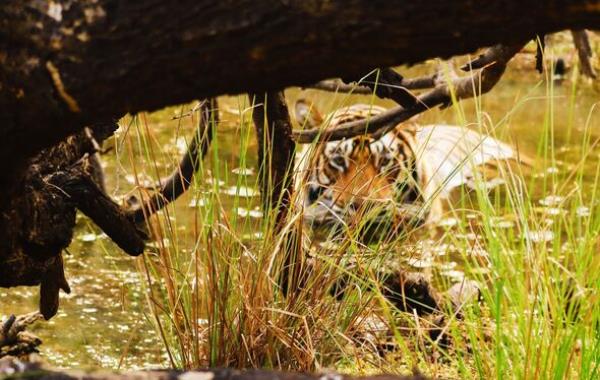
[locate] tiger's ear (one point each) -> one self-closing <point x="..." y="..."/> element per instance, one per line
<point x="306" y="114"/>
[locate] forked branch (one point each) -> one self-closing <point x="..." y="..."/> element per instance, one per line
<point x="181" y="178"/>
<point x="360" y="88"/>
<point x="493" y="64"/>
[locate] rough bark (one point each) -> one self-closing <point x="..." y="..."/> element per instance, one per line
<point x="37" y="222"/>
<point x="276" y="151"/>
<point x="66" y="64"/>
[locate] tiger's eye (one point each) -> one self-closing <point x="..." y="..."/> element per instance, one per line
<point x="338" y="160"/>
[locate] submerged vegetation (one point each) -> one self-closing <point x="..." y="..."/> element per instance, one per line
<point x="208" y="287"/>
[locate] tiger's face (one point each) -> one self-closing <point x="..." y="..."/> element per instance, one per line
<point x="359" y="176"/>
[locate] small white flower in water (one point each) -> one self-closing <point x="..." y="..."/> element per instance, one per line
<point x="329" y="245"/>
<point x="212" y="181"/>
<point x="252" y="236"/>
<point x="245" y="213"/>
<point x="448" y="266"/>
<point x="156" y="244"/>
<point x="551" y="200"/>
<point x="241" y="191"/>
<point x="448" y="222"/>
<point x="197" y="202"/>
<point x="420" y="263"/>
<point x="539" y="236"/>
<point x="467" y="236"/>
<point x="243" y="171"/>
<point x="478" y="251"/>
<point x="500" y="222"/>
<point x="455" y="275"/>
<point x="583" y="211"/>
<point x="554" y="211"/>
<point x="88" y="237"/>
<point x="441" y="249"/>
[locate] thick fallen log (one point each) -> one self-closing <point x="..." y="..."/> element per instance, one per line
<point x="67" y="64"/>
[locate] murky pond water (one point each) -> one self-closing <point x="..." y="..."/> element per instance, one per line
<point x="106" y="322"/>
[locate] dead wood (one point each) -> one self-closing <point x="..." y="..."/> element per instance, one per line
<point x="181" y="178"/>
<point x="476" y="84"/>
<point x="38" y="222"/>
<point x="88" y="197"/>
<point x="276" y="151"/>
<point x="584" y="51"/>
<point x="67" y="64"/>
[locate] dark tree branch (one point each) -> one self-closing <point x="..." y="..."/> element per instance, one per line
<point x="275" y="151"/>
<point x="539" y="53"/>
<point x="386" y="83"/>
<point x="181" y="178"/>
<point x="276" y="164"/>
<point x="337" y="85"/>
<point x="93" y="202"/>
<point x="66" y="64"/>
<point x="584" y="50"/>
<point x="476" y="84"/>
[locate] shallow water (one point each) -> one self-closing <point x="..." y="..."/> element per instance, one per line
<point x="105" y="321"/>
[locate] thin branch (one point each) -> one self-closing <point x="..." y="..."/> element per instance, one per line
<point x="387" y="83"/>
<point x="181" y="178"/>
<point x="478" y="83"/>
<point x="337" y="85"/>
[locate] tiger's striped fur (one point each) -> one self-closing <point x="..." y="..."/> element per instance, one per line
<point x="408" y="171"/>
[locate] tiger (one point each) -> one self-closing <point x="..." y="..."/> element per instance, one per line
<point x="403" y="177"/>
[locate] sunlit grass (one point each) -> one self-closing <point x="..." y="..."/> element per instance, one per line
<point x="213" y="276"/>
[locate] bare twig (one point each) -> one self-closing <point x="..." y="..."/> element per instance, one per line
<point x="388" y="84"/>
<point x="337" y="85"/>
<point x="181" y="178"/>
<point x="478" y="83"/>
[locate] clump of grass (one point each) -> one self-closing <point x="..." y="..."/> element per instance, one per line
<point x="213" y="278"/>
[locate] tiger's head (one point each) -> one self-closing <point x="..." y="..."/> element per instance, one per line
<point x="357" y="177"/>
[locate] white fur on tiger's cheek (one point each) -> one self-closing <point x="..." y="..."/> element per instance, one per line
<point x="322" y="178"/>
